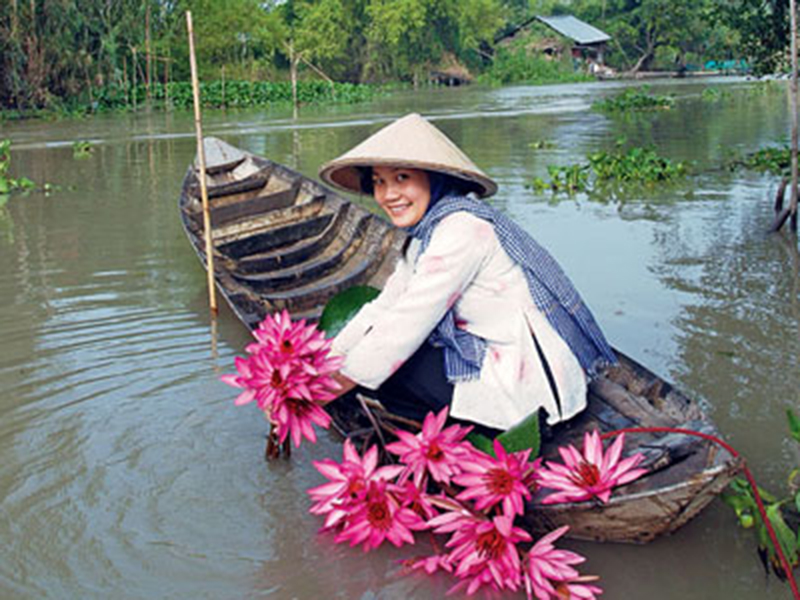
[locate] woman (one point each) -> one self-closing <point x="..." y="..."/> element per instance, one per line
<point x="476" y="316"/>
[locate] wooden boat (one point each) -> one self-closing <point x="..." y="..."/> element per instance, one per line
<point x="282" y="240"/>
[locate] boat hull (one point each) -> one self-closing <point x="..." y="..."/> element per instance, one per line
<point x="283" y="241"/>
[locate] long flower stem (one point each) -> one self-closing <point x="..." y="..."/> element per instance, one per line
<point x="787" y="568"/>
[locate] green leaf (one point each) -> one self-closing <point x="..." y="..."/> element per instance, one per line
<point x="25" y="183"/>
<point x="522" y="436"/>
<point x="5" y="185"/>
<point x="797" y="504"/>
<point x="786" y="537"/>
<point x="481" y="442"/>
<point x="794" y="424"/>
<point x="344" y="306"/>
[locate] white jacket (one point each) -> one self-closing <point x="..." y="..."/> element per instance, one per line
<point x="465" y="266"/>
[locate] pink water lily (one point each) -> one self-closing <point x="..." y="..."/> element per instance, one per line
<point x="591" y="474"/>
<point x="435" y="450"/>
<point x="502" y="479"/>
<point x="547" y="567"/>
<point x="377" y="516"/>
<point x="289" y="374"/>
<point x="347" y="482"/>
<point x="483" y="551"/>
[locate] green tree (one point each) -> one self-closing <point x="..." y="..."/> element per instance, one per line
<point x="762" y="26"/>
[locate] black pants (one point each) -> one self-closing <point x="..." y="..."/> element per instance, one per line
<point x="419" y="387"/>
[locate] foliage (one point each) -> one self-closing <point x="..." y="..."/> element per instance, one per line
<point x="525" y="435"/>
<point x="712" y="94"/>
<point x="773" y="159"/>
<point x="340" y="309"/>
<point x="762" y="27"/>
<point x="635" y="165"/>
<point x="569" y="179"/>
<point x="240" y="94"/>
<point x="542" y="145"/>
<point x="641" y="29"/>
<point x="516" y="64"/>
<point x="634" y="99"/>
<point x="782" y="513"/>
<point x="82" y="149"/>
<point x="8" y="183"/>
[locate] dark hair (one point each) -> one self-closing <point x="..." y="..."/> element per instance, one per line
<point x="365" y="179"/>
<point x="441" y="184"/>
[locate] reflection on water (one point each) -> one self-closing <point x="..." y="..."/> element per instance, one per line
<point x="126" y="470"/>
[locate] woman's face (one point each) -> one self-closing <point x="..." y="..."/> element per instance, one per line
<point x="404" y="194"/>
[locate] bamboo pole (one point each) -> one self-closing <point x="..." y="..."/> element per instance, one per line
<point x="201" y="174"/>
<point x="148" y="53"/>
<point x="134" y="77"/>
<point x="793" y="202"/>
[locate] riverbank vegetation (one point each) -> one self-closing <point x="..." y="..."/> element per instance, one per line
<point x="78" y="57"/>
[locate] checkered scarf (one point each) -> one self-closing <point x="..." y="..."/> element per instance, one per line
<point x="551" y="290"/>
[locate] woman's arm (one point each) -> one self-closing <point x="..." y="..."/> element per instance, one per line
<point x="457" y="249"/>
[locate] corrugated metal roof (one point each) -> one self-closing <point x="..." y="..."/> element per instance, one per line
<point x="575" y="29"/>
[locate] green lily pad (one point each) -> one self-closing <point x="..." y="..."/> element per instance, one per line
<point x="481" y="442"/>
<point x="522" y="436"/>
<point x="344" y="306"/>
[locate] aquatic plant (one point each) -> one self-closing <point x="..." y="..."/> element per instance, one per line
<point x="542" y="145"/>
<point x="436" y="450"/>
<point x="504" y="478"/>
<point x="569" y="179"/>
<point x="783" y="513"/>
<point x="7" y="183"/>
<point x="366" y="505"/>
<point x="712" y="94"/>
<point x="634" y="99"/>
<point x="288" y="373"/>
<point x="632" y="166"/>
<point x="82" y="149"/>
<point x="591" y="473"/>
<point x="772" y="159"/>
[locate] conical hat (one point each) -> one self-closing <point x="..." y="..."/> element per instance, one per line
<point x="410" y="142"/>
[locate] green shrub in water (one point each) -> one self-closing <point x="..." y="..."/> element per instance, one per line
<point x="635" y="99"/>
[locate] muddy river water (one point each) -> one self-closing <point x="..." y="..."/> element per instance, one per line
<point x="126" y="470"/>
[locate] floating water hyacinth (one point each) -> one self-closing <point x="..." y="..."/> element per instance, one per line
<point x="591" y="474"/>
<point x="288" y="373"/>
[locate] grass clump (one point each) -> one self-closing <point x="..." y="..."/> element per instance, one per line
<point x="633" y="100"/>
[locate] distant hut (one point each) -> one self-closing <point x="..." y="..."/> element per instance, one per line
<point x="589" y="43"/>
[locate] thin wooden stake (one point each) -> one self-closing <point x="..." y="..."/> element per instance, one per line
<point x="201" y="174"/>
<point x="793" y="202"/>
